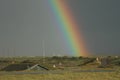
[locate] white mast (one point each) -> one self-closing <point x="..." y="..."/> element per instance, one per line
<point x="43" y="47"/>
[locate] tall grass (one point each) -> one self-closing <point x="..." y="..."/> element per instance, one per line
<point x="65" y="76"/>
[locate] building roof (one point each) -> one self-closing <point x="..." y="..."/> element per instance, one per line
<point x="23" y="66"/>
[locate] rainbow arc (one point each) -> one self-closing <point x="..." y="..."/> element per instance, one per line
<point x="68" y="27"/>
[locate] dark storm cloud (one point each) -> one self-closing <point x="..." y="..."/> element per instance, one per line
<point x="25" y="24"/>
<point x="100" y="20"/>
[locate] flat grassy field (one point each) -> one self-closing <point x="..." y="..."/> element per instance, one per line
<point x="65" y="76"/>
<point x="71" y="69"/>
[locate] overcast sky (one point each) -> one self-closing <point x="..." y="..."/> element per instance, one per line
<point x="26" y="27"/>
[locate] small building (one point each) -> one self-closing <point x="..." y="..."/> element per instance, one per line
<point x="103" y="62"/>
<point x="23" y="67"/>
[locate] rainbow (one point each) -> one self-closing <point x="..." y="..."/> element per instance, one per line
<point x="68" y="27"/>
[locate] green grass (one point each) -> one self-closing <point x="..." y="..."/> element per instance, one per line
<point x="65" y="76"/>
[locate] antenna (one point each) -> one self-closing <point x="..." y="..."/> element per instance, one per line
<point x="14" y="52"/>
<point x="8" y="52"/>
<point x="3" y="52"/>
<point x="53" y="54"/>
<point x="14" y="55"/>
<point x="43" y="47"/>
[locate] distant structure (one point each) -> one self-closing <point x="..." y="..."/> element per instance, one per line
<point x="54" y="66"/>
<point x="98" y="60"/>
<point x="116" y="56"/>
<point x="13" y="62"/>
<point x="103" y="61"/>
<point x="58" y="66"/>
